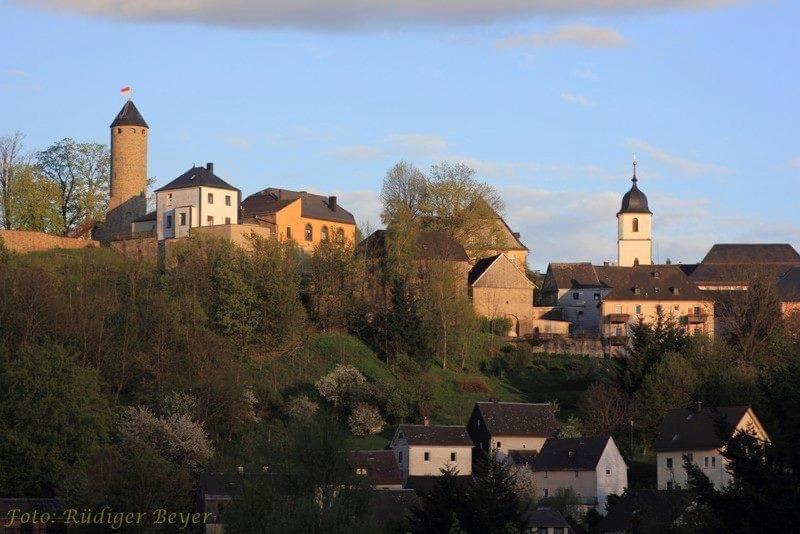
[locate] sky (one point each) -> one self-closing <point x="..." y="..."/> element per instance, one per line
<point x="547" y="100"/>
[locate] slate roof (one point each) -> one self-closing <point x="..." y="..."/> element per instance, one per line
<point x="545" y="518"/>
<point x="435" y="435"/>
<point x="654" y="282"/>
<point x="685" y="429"/>
<point x="639" y="508"/>
<point x="146" y="217"/>
<point x="425" y="483"/>
<point x="523" y="456"/>
<point x="382" y="468"/>
<point x="430" y="245"/>
<point x="518" y="418"/>
<point x="570" y="454"/>
<point x="129" y="116"/>
<point x="197" y="176"/>
<point x="273" y="199"/>
<point x="634" y="201"/>
<point x="740" y="263"/>
<point x="480" y="267"/>
<point x="789" y="285"/>
<point x="574" y="275"/>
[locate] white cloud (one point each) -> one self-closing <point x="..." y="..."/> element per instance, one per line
<point x="419" y="144"/>
<point x="578" y="100"/>
<point x="358" y="152"/>
<point x="344" y="14"/>
<point x="240" y="142"/>
<point x="676" y="162"/>
<point x="364" y="204"/>
<point x="575" y="34"/>
<point x="794" y="163"/>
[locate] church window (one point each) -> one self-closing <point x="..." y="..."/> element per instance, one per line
<point x="309" y="233"/>
<point x="340" y="235"/>
<point x="635" y="224"/>
<point x="119" y="130"/>
<point x="324" y="233"/>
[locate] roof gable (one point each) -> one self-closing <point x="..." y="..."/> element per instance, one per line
<point x="517" y="418"/>
<point x="129" y="116"/>
<point x="708" y="428"/>
<point x="498" y="271"/>
<point x="198" y="177"/>
<point x="434" y="435"/>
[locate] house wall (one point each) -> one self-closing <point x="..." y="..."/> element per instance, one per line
<point x="612" y="474"/>
<point x="411" y="459"/>
<point x="290" y="218"/>
<point x="649" y="310"/>
<point x="582" y="312"/>
<point x="583" y="483"/>
<point x="143" y="227"/>
<point x="194" y="202"/>
<point x="515" y="443"/>
<point x="218" y="210"/>
<point x="167" y="202"/>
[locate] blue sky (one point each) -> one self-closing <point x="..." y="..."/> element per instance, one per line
<point x="547" y="103"/>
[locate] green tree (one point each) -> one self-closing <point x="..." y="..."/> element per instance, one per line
<point x="10" y="162"/>
<point x="54" y="415"/>
<point x="33" y="202"/>
<point x="335" y="284"/>
<point x="443" y="507"/>
<point x="670" y="385"/>
<point x="650" y="343"/>
<point x="495" y="504"/>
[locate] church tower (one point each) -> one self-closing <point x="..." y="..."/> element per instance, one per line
<point x="128" y="181"/>
<point x="634" y="228"/>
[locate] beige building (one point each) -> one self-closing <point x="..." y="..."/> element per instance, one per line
<point x="306" y="218"/>
<point x="634" y="228"/>
<point x="499" y="288"/>
<point x="590" y="466"/>
<point x="507" y="426"/>
<point x="693" y="433"/>
<point x="424" y="450"/>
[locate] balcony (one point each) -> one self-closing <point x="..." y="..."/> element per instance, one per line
<point x="696" y="318"/>
<point x="618" y="318"/>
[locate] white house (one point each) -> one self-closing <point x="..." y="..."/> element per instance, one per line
<point x="194" y="199"/>
<point x="423" y="450"/>
<point x="694" y="433"/>
<point x="591" y="466"/>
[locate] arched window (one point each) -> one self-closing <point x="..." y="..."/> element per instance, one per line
<point x="635" y="224"/>
<point x="324" y="233"/>
<point x="309" y="233"/>
<point x="340" y="235"/>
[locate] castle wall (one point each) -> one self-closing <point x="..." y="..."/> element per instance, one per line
<point x="23" y="241"/>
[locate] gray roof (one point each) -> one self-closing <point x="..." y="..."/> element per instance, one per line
<point x="634" y="201"/>
<point x="129" y="116"/>
<point x="435" y="435"/>
<point x="653" y="282"/>
<point x="574" y="275"/>
<point x="518" y="418"/>
<point x="789" y="285"/>
<point x="545" y="518"/>
<point x="146" y="217"/>
<point x="570" y="454"/>
<point x="198" y="176"/>
<point x="752" y="253"/>
<point x="740" y="264"/>
<point x="430" y="245"/>
<point x="685" y="429"/>
<point x="273" y="199"/>
<point x="381" y="466"/>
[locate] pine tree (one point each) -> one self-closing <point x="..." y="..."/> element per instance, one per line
<point x="442" y="508"/>
<point x="495" y="505"/>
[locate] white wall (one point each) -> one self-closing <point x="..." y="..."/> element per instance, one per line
<point x="195" y="202"/>
<point x="634" y="245"/>
<point x="512" y="443"/>
<point x="717" y="474"/>
<point x="217" y="209"/>
<point x="612" y="474"/>
<point x="167" y="201"/>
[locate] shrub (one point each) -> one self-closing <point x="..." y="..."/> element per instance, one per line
<point x="336" y="385"/>
<point x="300" y="408"/>
<point x="473" y="385"/>
<point x="365" y="420"/>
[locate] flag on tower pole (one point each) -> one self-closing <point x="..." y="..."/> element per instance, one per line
<point x="126" y="91"/>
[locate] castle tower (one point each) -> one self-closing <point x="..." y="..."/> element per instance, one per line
<point x="634" y="228"/>
<point x="128" y="181"/>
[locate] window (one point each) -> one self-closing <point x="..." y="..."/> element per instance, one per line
<point x="133" y="130"/>
<point x="340" y="235"/>
<point x="427" y="456"/>
<point x="227" y="220"/>
<point x="677" y="307"/>
<point x="541" y="530"/>
<point x="211" y="198"/>
<point x="705" y="462"/>
<point x="576" y="474"/>
<point x="656" y="290"/>
<point x="638" y="309"/>
<point x="637" y="291"/>
<point x="452" y="457"/>
<point x="210" y="220"/>
<point x="690" y="456"/>
<point x="697" y="310"/>
<point x="618" y="308"/>
<point x="324" y="233"/>
<point x="608" y="471"/>
<point x="669" y="463"/>
<point x="659" y="308"/>
<point x="545" y="474"/>
<point x="670" y="484"/>
<point x="361" y="471"/>
<point x="498" y="444"/>
<point x="635" y="224"/>
<point x="400" y="434"/>
<point x="169" y="221"/>
<point x="309" y="233"/>
<point x="576" y="296"/>
<point x="119" y="130"/>
<point x="227" y="200"/>
<point x="183" y="219"/>
<point x="713" y="461"/>
<point x="546" y="492"/>
<point x="400" y="456"/>
<point x="558" y="530"/>
<point x="289" y="236"/>
<point x="169" y="197"/>
<point x="597" y="297"/>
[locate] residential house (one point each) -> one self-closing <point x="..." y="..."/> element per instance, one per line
<point x="546" y="521"/>
<point x="695" y="434"/>
<point x="500" y="288"/>
<point x="423" y="450"/>
<point x="306" y="218"/>
<point x="590" y="466"/>
<point x="380" y="468"/>
<point x="508" y="426"/>
<point x="194" y="199"/>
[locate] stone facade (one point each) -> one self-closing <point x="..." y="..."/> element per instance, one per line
<point x="501" y="289"/>
<point x="24" y="241"/>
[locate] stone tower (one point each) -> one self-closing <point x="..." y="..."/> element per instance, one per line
<point x="634" y="228"/>
<point x="128" y="181"/>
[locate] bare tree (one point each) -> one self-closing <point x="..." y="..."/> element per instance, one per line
<point x="10" y="160"/>
<point x="604" y="408"/>
<point x="402" y="194"/>
<point x="750" y="319"/>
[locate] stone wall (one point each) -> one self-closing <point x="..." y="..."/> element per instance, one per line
<point x="23" y="241"/>
<point x="140" y="249"/>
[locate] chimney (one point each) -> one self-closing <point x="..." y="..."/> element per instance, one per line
<point x="515" y="234"/>
<point x="332" y="203"/>
<point x="210" y="168"/>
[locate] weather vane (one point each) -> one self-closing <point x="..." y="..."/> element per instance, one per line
<point x="634" y="167"/>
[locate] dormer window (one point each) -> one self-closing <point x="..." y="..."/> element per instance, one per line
<point x="676" y="291"/>
<point x="657" y="290"/>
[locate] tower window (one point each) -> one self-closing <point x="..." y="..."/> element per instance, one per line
<point x="119" y="130"/>
<point x="309" y="233"/>
<point x="211" y="198"/>
<point x="635" y="224"/>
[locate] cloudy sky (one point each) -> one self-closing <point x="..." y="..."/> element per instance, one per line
<point x="546" y="99"/>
